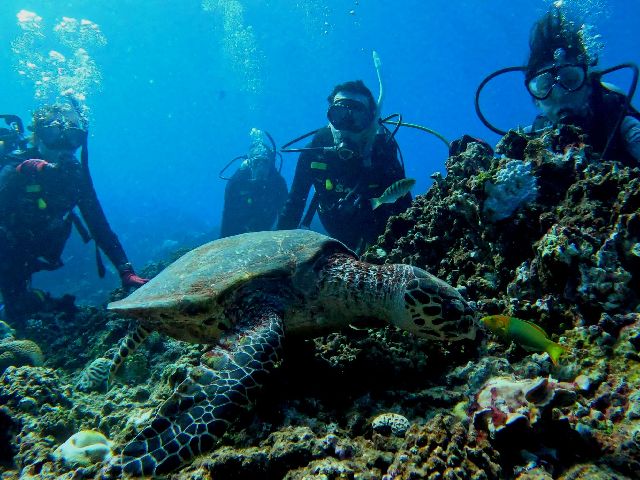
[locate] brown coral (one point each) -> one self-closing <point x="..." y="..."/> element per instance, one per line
<point x="443" y="448"/>
<point x="19" y="353"/>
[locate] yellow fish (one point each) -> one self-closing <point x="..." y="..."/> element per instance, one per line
<point x="526" y="334"/>
<point x="393" y="192"/>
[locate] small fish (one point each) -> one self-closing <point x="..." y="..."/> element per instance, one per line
<point x="526" y="334"/>
<point x="394" y="192"/>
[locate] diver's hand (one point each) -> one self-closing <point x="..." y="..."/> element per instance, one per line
<point x="33" y="166"/>
<point x="460" y="145"/>
<point x="131" y="280"/>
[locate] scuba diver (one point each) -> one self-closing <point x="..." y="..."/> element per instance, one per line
<point x="39" y="190"/>
<point x="256" y="192"/>
<point x="560" y="79"/>
<point x="349" y="162"/>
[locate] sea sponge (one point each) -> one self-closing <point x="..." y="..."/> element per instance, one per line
<point x="514" y="186"/>
<point x="19" y="353"/>
<point x="84" y="448"/>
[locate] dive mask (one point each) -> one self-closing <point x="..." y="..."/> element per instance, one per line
<point x="57" y="136"/>
<point x="349" y="115"/>
<point x="570" y="77"/>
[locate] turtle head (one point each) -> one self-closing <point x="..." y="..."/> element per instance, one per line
<point x="435" y="310"/>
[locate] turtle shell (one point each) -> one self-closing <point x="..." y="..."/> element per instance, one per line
<point x="185" y="299"/>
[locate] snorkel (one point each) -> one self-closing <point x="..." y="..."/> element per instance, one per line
<point x="371" y="132"/>
<point x="366" y="157"/>
<point x="351" y="138"/>
<point x="377" y="63"/>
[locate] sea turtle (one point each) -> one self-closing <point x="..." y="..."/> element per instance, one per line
<point x="243" y="294"/>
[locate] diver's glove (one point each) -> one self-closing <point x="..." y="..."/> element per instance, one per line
<point x="33" y="166"/>
<point x="460" y="145"/>
<point x="129" y="278"/>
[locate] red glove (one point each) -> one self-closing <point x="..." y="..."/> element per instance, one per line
<point x="130" y="279"/>
<point x="32" y="166"/>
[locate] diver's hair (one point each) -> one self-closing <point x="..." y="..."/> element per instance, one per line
<point x="552" y="32"/>
<point x="48" y="112"/>
<point x="356" y="86"/>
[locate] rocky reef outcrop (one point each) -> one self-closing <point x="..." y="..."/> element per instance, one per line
<point x="545" y="231"/>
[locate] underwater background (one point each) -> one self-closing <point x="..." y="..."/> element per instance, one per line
<point x="173" y="88"/>
<point x="542" y="240"/>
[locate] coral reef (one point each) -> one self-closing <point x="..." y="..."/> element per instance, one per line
<point x="371" y="403"/>
<point x="566" y="260"/>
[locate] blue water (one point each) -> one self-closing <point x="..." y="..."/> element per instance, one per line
<point x="174" y="104"/>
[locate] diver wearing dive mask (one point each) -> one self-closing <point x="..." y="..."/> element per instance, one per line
<point x="256" y="192"/>
<point x="558" y="79"/>
<point x="62" y="137"/>
<point x="349" y="114"/>
<point x="570" y="77"/>
<point x="562" y="84"/>
<point x="60" y="132"/>
<point x="347" y="162"/>
<point x="39" y="191"/>
<point x="559" y="88"/>
<point x="351" y="119"/>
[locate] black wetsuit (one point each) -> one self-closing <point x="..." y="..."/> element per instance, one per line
<point x="606" y="107"/>
<point x="339" y="184"/>
<point x="36" y="219"/>
<point x="252" y="205"/>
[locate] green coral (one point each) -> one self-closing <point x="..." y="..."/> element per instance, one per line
<point x="480" y="179"/>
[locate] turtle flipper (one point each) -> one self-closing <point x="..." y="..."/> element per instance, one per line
<point x="208" y="401"/>
<point x="100" y="372"/>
